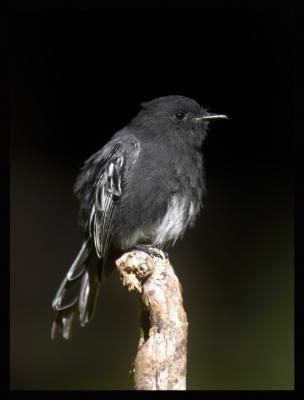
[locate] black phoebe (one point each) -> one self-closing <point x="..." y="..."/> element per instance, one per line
<point x="141" y="190"/>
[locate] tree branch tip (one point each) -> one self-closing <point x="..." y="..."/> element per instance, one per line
<point x="135" y="267"/>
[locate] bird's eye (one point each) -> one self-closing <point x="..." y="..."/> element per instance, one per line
<point x="180" y="115"/>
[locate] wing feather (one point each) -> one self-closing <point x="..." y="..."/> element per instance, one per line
<point x="105" y="172"/>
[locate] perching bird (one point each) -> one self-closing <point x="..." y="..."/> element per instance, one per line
<point x="143" y="189"/>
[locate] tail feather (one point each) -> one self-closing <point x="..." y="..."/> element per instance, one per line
<point x="77" y="295"/>
<point x="78" y="266"/>
<point x="64" y="322"/>
<point x="88" y="296"/>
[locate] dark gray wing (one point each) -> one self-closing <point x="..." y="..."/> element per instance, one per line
<point x="98" y="188"/>
<point x="100" y="185"/>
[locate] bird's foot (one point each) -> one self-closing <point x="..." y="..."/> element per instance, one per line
<point x="148" y="249"/>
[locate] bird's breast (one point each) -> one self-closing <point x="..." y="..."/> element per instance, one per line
<point x="161" y="198"/>
<point x="181" y="212"/>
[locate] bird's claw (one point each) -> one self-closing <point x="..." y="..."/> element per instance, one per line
<point x="150" y="251"/>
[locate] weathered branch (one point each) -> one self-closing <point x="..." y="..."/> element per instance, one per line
<point x="161" y="360"/>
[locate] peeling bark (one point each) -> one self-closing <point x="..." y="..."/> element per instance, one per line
<point x="161" y="360"/>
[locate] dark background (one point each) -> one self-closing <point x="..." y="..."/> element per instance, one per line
<point x="77" y="77"/>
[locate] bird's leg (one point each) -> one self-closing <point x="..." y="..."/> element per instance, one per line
<point x="148" y="248"/>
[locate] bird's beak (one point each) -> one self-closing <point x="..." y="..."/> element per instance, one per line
<point x="207" y="116"/>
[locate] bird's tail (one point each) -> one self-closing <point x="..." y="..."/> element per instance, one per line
<point x="77" y="295"/>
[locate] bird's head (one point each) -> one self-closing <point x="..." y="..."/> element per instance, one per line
<point x="176" y="115"/>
